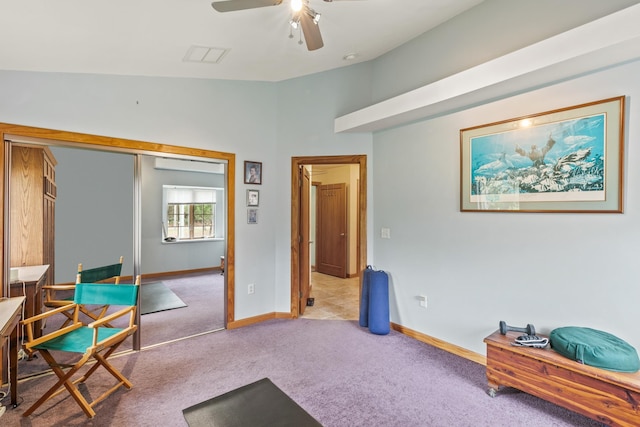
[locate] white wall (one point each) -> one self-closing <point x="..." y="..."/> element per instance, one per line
<point x="476" y="269"/>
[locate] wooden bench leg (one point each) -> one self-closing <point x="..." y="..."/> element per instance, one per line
<point x="493" y="389"/>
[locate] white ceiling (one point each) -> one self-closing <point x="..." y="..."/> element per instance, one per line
<point x="151" y="38"/>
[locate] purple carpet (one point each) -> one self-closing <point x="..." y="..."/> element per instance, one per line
<point x="203" y="293"/>
<point x="338" y="372"/>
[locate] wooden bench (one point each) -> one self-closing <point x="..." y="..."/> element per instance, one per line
<point x="612" y="398"/>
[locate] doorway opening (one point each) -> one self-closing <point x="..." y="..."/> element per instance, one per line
<point x="134" y="149"/>
<point x="352" y="228"/>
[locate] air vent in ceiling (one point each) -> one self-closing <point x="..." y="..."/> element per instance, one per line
<point x="207" y="55"/>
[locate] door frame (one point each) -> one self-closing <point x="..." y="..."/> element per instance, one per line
<point x="296" y="164"/>
<point x="134" y="147"/>
<point x="305" y="216"/>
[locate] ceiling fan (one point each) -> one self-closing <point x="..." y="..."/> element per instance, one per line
<point x="302" y="16"/>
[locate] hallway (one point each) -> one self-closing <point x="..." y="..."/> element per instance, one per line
<point x="334" y="298"/>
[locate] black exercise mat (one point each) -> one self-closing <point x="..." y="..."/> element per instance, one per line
<point x="259" y="404"/>
<point x="158" y="297"/>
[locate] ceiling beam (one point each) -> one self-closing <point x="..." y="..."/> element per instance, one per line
<point x="603" y="43"/>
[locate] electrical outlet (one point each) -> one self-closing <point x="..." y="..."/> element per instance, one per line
<point x="251" y="288"/>
<point x="423" y="300"/>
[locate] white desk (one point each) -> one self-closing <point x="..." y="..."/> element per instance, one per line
<point x="31" y="273"/>
<point x="29" y="285"/>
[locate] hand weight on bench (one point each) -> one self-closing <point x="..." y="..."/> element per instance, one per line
<point x="504" y="328"/>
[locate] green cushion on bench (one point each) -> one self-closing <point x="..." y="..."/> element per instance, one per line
<point x="595" y="348"/>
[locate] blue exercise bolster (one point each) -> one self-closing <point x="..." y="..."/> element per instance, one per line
<point x="378" y="301"/>
<point x="364" y="298"/>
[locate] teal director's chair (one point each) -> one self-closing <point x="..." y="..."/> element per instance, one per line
<point x="94" y="342"/>
<point x="103" y="274"/>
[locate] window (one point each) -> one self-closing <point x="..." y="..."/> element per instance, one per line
<point x="189" y="212"/>
<point x="190" y="220"/>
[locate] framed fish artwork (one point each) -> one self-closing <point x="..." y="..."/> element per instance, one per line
<point x="565" y="160"/>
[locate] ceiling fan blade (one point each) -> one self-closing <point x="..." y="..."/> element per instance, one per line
<point x="232" y="5"/>
<point x="311" y="32"/>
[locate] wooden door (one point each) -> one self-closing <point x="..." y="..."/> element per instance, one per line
<point x="305" y="270"/>
<point x="331" y="235"/>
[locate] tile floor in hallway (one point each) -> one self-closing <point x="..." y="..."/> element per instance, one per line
<point x="334" y="298"/>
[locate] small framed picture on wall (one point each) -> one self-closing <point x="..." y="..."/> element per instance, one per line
<point x="252" y="172"/>
<point x="253" y="197"/>
<point x="252" y="216"/>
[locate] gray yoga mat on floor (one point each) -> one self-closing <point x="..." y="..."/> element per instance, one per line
<point x="259" y="404"/>
<point x="158" y="297"/>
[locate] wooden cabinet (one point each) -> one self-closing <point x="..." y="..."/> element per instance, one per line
<point x="32" y="225"/>
<point x="32" y="208"/>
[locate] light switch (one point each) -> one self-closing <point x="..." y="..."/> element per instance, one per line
<point x="385" y="233"/>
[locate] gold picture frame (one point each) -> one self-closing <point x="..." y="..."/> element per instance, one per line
<point x="565" y="160"/>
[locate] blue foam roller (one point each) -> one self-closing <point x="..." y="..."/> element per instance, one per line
<point x="364" y="298"/>
<point x="379" y="302"/>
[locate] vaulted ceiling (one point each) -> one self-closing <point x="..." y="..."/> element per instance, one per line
<point x="171" y="37"/>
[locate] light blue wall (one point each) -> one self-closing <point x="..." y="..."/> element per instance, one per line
<point x="491" y="29"/>
<point x="306" y="108"/>
<point x="227" y="116"/>
<point x="157" y="256"/>
<point x="94" y="214"/>
<point x="94" y="210"/>
<point x="476" y="269"/>
<point x="266" y="122"/>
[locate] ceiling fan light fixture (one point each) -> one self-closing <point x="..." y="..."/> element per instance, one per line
<point x="294" y="24"/>
<point x="296" y="5"/>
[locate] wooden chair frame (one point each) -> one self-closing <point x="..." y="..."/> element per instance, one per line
<point x="97" y="339"/>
